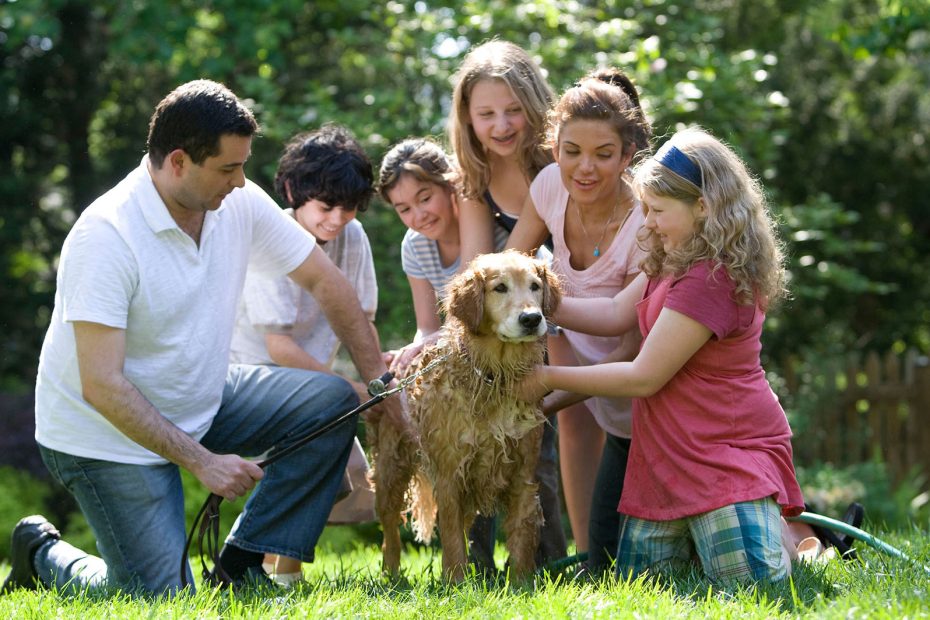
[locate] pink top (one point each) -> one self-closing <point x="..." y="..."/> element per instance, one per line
<point x="715" y="434"/>
<point x="604" y="278"/>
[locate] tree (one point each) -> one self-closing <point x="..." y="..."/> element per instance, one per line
<point x="828" y="102"/>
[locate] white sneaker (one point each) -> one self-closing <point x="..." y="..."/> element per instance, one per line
<point x="286" y="580"/>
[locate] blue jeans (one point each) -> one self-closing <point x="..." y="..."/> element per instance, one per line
<point x="136" y="512"/>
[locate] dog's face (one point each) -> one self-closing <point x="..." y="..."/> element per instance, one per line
<point x="508" y="294"/>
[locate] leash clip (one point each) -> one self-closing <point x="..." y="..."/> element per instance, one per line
<point x="379" y="385"/>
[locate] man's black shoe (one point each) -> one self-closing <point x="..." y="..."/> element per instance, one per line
<point x="28" y="535"/>
<point x="253" y="578"/>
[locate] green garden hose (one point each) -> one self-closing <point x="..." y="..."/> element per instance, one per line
<point x="840" y="526"/>
<point x="805" y="517"/>
<point x="562" y="563"/>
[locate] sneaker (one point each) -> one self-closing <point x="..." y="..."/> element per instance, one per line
<point x="854" y="516"/>
<point x="287" y="580"/>
<point x="28" y="535"/>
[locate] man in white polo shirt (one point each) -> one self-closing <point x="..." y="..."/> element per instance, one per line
<point x="133" y="376"/>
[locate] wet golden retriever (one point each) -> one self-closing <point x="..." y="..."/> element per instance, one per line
<point x="478" y="444"/>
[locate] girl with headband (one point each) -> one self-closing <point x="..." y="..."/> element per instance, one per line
<point x="710" y="471"/>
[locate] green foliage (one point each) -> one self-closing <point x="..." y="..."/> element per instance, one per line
<point x="829" y="490"/>
<point x="21" y="494"/>
<point x="827" y="101"/>
<point x="826" y="264"/>
<point x="856" y="76"/>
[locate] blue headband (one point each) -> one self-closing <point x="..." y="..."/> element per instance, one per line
<point x="679" y="163"/>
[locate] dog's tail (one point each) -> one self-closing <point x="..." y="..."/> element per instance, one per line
<point x="422" y="508"/>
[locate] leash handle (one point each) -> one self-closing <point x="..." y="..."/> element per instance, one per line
<point x="208" y="518"/>
<point x="207" y="522"/>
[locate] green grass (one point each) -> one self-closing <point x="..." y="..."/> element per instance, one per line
<point x="347" y="585"/>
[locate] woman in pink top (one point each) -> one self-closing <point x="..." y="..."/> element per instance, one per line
<point x="710" y="471"/>
<point x="585" y="201"/>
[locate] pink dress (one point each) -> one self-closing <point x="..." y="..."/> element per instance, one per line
<point x="604" y="278"/>
<point x="715" y="434"/>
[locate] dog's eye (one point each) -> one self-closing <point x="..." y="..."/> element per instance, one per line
<point x="534" y="286"/>
<point x="500" y="288"/>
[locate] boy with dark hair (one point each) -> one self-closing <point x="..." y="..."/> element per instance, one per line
<point x="326" y="179"/>
<point x="328" y="165"/>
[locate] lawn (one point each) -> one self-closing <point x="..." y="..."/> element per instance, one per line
<point x="346" y="584"/>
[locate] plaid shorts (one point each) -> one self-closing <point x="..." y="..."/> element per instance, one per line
<point x="740" y="541"/>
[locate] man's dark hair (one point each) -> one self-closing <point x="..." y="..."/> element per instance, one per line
<point x="193" y="117"/>
<point x="328" y="165"/>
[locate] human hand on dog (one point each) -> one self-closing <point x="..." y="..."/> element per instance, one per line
<point x="399" y="360"/>
<point x="228" y="475"/>
<point x="389" y="356"/>
<point x="533" y="387"/>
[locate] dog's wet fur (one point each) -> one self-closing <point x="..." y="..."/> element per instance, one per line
<point x="478" y="444"/>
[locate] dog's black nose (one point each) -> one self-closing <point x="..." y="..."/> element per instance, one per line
<point x="530" y="320"/>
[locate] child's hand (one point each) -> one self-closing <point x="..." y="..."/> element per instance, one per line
<point x="399" y="360"/>
<point x="533" y="387"/>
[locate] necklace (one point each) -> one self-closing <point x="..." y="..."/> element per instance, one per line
<point x="597" y="246"/>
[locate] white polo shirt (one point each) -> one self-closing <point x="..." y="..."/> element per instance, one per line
<point x="127" y="264"/>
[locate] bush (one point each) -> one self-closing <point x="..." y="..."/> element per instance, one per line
<point x="829" y="490"/>
<point x="21" y="494"/>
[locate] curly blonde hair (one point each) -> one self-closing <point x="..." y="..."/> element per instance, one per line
<point x="509" y="63"/>
<point x="737" y="231"/>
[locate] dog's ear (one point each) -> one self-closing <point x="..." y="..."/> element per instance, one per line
<point x="465" y="298"/>
<point x="552" y="289"/>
